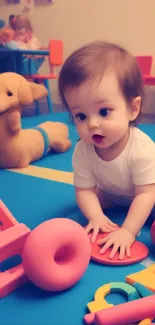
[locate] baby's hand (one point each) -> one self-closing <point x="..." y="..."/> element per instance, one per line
<point x="103" y="224"/>
<point x="121" y="239"/>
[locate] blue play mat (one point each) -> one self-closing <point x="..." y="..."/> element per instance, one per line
<point x="33" y="200"/>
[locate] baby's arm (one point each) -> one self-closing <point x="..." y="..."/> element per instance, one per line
<point x="143" y="175"/>
<point x="138" y="213"/>
<point x="85" y="184"/>
<point x="140" y="208"/>
<point x="89" y="204"/>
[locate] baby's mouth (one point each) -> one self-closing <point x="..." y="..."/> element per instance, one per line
<point x="98" y="138"/>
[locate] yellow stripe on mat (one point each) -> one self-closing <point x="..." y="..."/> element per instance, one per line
<point x="46" y="173"/>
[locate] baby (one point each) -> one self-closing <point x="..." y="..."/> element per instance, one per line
<point x="24" y="34"/>
<point x="114" y="162"/>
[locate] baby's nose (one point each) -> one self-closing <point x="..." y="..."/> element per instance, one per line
<point x="93" y="123"/>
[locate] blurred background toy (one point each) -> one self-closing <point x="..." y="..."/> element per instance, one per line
<point x="19" y="147"/>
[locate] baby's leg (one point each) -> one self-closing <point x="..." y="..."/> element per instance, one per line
<point x="105" y="202"/>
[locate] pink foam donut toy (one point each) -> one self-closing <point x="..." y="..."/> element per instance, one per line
<point x="56" y="254"/>
<point x="153" y="232"/>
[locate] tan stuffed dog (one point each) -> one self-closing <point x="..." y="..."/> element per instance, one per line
<point x="19" y="147"/>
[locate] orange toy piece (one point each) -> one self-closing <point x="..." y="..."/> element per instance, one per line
<point x="145" y="277"/>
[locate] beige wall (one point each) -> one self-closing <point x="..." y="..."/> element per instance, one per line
<point x="128" y="22"/>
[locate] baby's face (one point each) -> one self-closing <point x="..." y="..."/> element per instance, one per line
<point x="21" y="31"/>
<point x="100" y="111"/>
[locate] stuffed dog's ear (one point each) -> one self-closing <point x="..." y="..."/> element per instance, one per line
<point x="38" y="91"/>
<point x="30" y="91"/>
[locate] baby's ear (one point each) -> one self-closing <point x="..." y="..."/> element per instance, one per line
<point x="135" y="108"/>
<point x="38" y="91"/>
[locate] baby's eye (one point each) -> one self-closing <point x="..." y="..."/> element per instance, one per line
<point x="80" y="117"/>
<point x="104" y="112"/>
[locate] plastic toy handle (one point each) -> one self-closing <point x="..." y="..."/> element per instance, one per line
<point x="127" y="313"/>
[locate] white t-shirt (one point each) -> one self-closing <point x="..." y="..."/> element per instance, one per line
<point x="135" y="165"/>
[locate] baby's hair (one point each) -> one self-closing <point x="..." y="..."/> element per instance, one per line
<point x="12" y="19"/>
<point x="22" y="21"/>
<point x="90" y="62"/>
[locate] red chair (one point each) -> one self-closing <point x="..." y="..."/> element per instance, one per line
<point x="55" y="59"/>
<point x="149" y="80"/>
<point x="145" y="64"/>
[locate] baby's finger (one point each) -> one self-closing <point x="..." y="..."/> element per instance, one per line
<point x="128" y="253"/>
<point x="106" y="246"/>
<point x="103" y="240"/>
<point x="122" y="252"/>
<point x="94" y="235"/>
<point x="114" y="251"/>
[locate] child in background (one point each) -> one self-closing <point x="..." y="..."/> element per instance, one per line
<point x="24" y="35"/>
<point x="114" y="162"/>
<point x="11" y="21"/>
